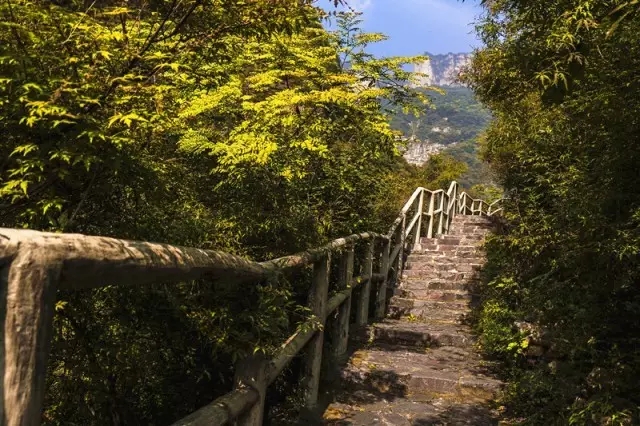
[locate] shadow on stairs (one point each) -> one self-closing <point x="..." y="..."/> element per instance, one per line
<point x="418" y="367"/>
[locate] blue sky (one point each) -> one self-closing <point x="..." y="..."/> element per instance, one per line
<point x="418" y="26"/>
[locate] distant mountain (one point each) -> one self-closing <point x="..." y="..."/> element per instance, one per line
<point x="454" y="116"/>
<point x="454" y="122"/>
<point x="442" y="70"/>
<point x="452" y="127"/>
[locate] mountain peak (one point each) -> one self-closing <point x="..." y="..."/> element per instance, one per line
<point x="442" y="69"/>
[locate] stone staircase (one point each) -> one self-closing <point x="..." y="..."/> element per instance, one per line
<point x="418" y="367"/>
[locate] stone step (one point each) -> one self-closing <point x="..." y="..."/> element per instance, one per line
<point x="372" y="408"/>
<point x="429" y="265"/>
<point x="432" y="265"/>
<point x="472" y="236"/>
<point x="420" y="333"/>
<point x="449" y="370"/>
<point x="421" y="313"/>
<point x="444" y="246"/>
<point x="437" y="295"/>
<point x="415" y="306"/>
<point x="471" y="219"/>
<point x="470" y="228"/>
<point x="462" y="255"/>
<point x="469" y="232"/>
<point x="438" y="285"/>
<point x="422" y="274"/>
<point x="482" y="226"/>
<point x="473" y="227"/>
<point x="448" y="245"/>
<point x="442" y="261"/>
<point x="463" y="287"/>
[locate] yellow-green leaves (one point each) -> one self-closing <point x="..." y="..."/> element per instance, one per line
<point x="126" y="119"/>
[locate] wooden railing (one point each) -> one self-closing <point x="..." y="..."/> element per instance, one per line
<point x="34" y="265"/>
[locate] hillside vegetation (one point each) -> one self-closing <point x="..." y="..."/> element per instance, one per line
<point x="562" y="79"/>
<point x="455" y="119"/>
<point x="227" y="124"/>
<point x="451" y="107"/>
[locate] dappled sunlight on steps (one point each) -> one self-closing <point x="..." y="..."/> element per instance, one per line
<point x="418" y="366"/>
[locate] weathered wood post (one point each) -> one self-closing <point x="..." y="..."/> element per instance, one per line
<point x="318" y="305"/>
<point x="431" y="218"/>
<point x="341" y="331"/>
<point x="251" y="372"/>
<point x="381" y="303"/>
<point x="362" y="308"/>
<point x="448" y="215"/>
<point x="416" y="243"/>
<point x="402" y="239"/>
<point x="441" y="220"/>
<point x="456" y="204"/>
<point x="28" y="280"/>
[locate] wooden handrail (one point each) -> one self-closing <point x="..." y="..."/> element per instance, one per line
<point x="34" y="265"/>
<point x="307" y="257"/>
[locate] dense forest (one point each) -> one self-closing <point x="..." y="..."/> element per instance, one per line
<point x="562" y="79"/>
<point x="227" y="124"/>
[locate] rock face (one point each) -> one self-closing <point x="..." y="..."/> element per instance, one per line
<point x="442" y="70"/>
<point x="419" y="367"/>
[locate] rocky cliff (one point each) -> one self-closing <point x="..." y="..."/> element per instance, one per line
<point x="442" y="70"/>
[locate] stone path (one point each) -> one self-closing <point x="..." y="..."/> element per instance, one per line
<point x="418" y="367"/>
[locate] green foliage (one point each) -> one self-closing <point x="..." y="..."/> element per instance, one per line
<point x="85" y="86"/>
<point x="563" y="90"/>
<point x="404" y="178"/>
<point x="486" y="192"/>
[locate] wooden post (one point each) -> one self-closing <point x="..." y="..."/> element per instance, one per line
<point x="431" y="209"/>
<point x="419" y="224"/>
<point x="362" y="313"/>
<point x="463" y="205"/>
<point x="251" y="372"/>
<point x="441" y="220"/>
<point x="382" y="290"/>
<point x="449" y="215"/>
<point x="341" y="331"/>
<point x="318" y="305"/>
<point x="28" y="281"/>
<point x="403" y="228"/>
<point x="456" y="203"/>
